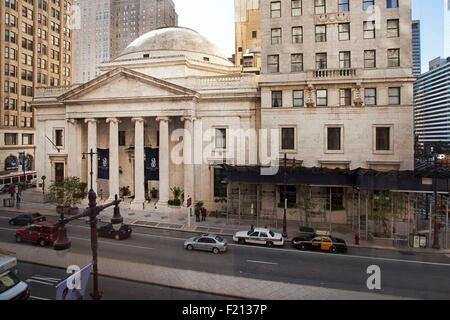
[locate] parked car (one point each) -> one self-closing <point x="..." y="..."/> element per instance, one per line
<point x="207" y="242"/>
<point x="320" y="243"/>
<point x="42" y="233"/>
<point x="259" y="236"/>
<point x="108" y="231"/>
<point x="26" y="219"/>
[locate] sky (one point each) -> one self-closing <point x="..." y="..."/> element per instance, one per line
<point x="215" y="20"/>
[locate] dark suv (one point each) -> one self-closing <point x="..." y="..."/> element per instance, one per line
<point x="26" y="219"/>
<point x="42" y="233"/>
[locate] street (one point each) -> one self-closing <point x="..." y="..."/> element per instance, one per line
<point x="421" y="276"/>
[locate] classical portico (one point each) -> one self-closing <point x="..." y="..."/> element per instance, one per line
<point x="146" y="117"/>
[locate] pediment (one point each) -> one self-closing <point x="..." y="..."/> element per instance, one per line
<point x="124" y="83"/>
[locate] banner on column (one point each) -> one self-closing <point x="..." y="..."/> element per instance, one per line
<point x="151" y="164"/>
<point x="103" y="164"/>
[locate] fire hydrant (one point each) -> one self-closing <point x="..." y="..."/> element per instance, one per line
<point x="356" y="239"/>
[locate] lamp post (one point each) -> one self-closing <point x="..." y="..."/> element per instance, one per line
<point x="92" y="212"/>
<point x="285" y="234"/>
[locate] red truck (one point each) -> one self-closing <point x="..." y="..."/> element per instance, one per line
<point x="42" y="233"/>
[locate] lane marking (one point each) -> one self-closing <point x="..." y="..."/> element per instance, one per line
<point x="273" y="250"/>
<point x="40" y="282"/>
<point x="39" y="298"/>
<point x="45" y="279"/>
<point x="262" y="262"/>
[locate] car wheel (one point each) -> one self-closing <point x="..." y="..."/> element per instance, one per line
<point x="11" y="222"/>
<point x="19" y="238"/>
<point x="117" y="237"/>
<point x="333" y="249"/>
<point x="42" y="242"/>
<point x="303" y="247"/>
<point x="190" y="247"/>
<point x="269" y="244"/>
<point x="241" y="241"/>
<point x="216" y="251"/>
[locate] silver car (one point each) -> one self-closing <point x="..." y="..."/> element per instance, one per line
<point x="207" y="242"/>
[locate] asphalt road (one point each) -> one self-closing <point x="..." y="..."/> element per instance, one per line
<point x="422" y="276"/>
<point x="42" y="281"/>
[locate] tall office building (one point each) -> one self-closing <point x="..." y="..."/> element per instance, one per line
<point x="416" y="48"/>
<point x="248" y="35"/>
<point x="446" y="28"/>
<point x="337" y="84"/>
<point x="109" y="26"/>
<point x="432" y="103"/>
<point x="35" y="50"/>
<point x="132" y="18"/>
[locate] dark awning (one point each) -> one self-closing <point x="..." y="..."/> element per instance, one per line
<point x="413" y="181"/>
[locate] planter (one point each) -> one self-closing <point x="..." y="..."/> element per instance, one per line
<point x="381" y="241"/>
<point x="67" y="210"/>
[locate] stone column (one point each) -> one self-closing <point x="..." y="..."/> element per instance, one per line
<point x="92" y="144"/>
<point x="113" y="157"/>
<point x="139" y="168"/>
<point x="74" y="148"/>
<point x="164" y="160"/>
<point x="188" y="151"/>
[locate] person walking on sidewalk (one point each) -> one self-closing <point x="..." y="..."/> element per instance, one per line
<point x="18" y="200"/>
<point x="197" y="215"/>
<point x="12" y="192"/>
<point x="203" y="211"/>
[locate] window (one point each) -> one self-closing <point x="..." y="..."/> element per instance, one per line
<point x="254" y="34"/>
<point x="369" y="29"/>
<point x="287" y="138"/>
<point x="367" y="4"/>
<point x="321" y="33"/>
<point x="345" y="97"/>
<point x="383" y="139"/>
<point x="344" y="31"/>
<point x="393" y="56"/>
<point x="344" y="5"/>
<point x="337" y="198"/>
<point x="122" y="138"/>
<point x="58" y="137"/>
<point x="220" y="138"/>
<point x="391" y="4"/>
<point x="345" y="60"/>
<point x="296" y="62"/>
<point x="370" y="59"/>
<point x="220" y="188"/>
<point x="273" y="65"/>
<point x="296" y="8"/>
<point x="10" y="139"/>
<point x="334" y="139"/>
<point x="298" y="98"/>
<point x="322" y="98"/>
<point x="290" y="195"/>
<point x="276" y="36"/>
<point x="320" y="6"/>
<point x="370" y="96"/>
<point x="393" y="28"/>
<point x="394" y="96"/>
<point x="27" y="139"/>
<point x="321" y="61"/>
<point x="277" y="99"/>
<point x="275" y="9"/>
<point x="297" y="35"/>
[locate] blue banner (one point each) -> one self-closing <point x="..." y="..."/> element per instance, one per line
<point x="103" y="163"/>
<point x="151" y="164"/>
<point x="74" y="287"/>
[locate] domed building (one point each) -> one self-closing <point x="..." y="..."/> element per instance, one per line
<point x="160" y="116"/>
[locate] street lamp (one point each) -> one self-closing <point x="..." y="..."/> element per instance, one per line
<point x="63" y="243"/>
<point x="285" y="234"/>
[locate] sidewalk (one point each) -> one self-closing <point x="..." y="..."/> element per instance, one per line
<point x="233" y="286"/>
<point x="32" y="201"/>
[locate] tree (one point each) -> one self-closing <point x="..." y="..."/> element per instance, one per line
<point x="67" y="193"/>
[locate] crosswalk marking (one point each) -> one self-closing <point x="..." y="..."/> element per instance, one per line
<point x="39" y="298"/>
<point x="44" y="280"/>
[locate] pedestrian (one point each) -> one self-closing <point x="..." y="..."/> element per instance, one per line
<point x="197" y="215"/>
<point x="203" y="210"/>
<point x="18" y="200"/>
<point x="12" y="191"/>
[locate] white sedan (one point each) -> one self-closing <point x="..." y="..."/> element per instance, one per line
<point x="259" y="236"/>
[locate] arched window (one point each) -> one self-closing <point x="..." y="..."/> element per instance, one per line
<point x="11" y="163"/>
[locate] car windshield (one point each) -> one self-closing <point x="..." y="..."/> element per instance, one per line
<point x="271" y="233"/>
<point x="196" y="239"/>
<point x="8" y="281"/>
<point x="219" y="239"/>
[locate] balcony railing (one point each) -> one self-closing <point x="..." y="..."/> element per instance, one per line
<point x="334" y="73"/>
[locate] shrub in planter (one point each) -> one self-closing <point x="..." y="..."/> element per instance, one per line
<point x="67" y="194"/>
<point x="175" y="203"/>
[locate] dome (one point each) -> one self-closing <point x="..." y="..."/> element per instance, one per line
<point x="174" y="40"/>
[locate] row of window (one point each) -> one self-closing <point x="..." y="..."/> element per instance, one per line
<point x="344" y="34"/>
<point x="345" y="60"/>
<point x="11" y="87"/>
<point x="320" y="6"/>
<point x="335" y="139"/>
<point x="11" y="104"/>
<point x="11" y="139"/>
<point x="11" y="121"/>
<point x="345" y="97"/>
